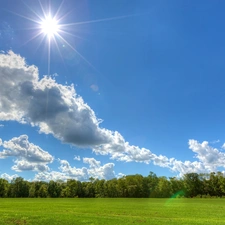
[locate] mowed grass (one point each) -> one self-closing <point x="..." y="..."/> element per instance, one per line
<point x="112" y="211"/>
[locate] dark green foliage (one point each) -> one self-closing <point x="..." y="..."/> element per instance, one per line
<point x="19" y="188"/>
<point x="131" y="186"/>
<point x="4" y="187"/>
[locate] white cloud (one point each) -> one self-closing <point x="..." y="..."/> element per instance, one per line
<point x="73" y="172"/>
<point x="223" y="146"/>
<point x="77" y="158"/>
<point x="215" y="141"/>
<point x="8" y="177"/>
<point x="121" y="150"/>
<point x="1" y="125"/>
<point x="53" y="175"/>
<point x="56" y="109"/>
<point x="29" y="156"/>
<point x="23" y="165"/>
<point x="97" y="171"/>
<point x="66" y="172"/>
<point x="209" y="156"/>
<point x="120" y="175"/>
<point x="209" y="159"/>
<point x="92" y="162"/>
<point x="187" y="167"/>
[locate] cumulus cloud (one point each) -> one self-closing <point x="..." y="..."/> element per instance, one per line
<point x="209" y="159"/>
<point x="96" y="170"/>
<point x="57" y="109"/>
<point x="92" y="162"/>
<point x="187" y="167"/>
<point x="121" y="150"/>
<point x="209" y="156"/>
<point x="8" y="177"/>
<point x="73" y="172"/>
<point x="23" y="165"/>
<point x="53" y="175"/>
<point x="66" y="171"/>
<point x="28" y="156"/>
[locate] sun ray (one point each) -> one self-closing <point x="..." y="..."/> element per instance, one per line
<point x="33" y="11"/>
<point x="22" y="16"/>
<point x="59" y="8"/>
<point x="98" y="20"/>
<point x="43" y="11"/>
<point x="73" y="35"/>
<point x="50" y="29"/>
<point x="77" y="52"/>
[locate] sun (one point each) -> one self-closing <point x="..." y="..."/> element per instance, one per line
<point x="49" y="27"/>
<point x="52" y="29"/>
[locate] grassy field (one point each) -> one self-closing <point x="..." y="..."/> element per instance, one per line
<point x="112" y="211"/>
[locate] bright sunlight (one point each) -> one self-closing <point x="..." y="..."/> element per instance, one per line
<point x="50" y="27"/>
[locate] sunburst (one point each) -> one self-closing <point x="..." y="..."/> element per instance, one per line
<point x="50" y="28"/>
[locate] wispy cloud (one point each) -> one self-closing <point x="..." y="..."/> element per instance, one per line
<point x="77" y="158"/>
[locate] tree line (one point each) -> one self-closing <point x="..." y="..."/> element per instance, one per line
<point x="131" y="186"/>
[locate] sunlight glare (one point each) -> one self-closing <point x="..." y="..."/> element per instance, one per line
<point x="49" y="27"/>
<point x="53" y="32"/>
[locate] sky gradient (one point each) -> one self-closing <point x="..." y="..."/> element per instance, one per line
<point x="123" y="87"/>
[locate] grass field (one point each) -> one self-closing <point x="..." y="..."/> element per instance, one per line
<point x="112" y="211"/>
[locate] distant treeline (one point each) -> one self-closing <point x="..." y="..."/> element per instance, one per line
<point x="132" y="186"/>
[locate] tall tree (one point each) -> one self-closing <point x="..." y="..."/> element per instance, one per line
<point x="192" y="185"/>
<point x="163" y="188"/>
<point x="19" y="187"/>
<point x="4" y="187"/>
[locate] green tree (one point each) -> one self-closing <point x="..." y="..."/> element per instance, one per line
<point x="99" y="186"/>
<point x="192" y="184"/>
<point x="4" y="187"/>
<point x="177" y="186"/>
<point x="163" y="188"/>
<point x="54" y="189"/>
<point x="152" y="184"/>
<point x="72" y="188"/>
<point x="43" y="191"/>
<point x="32" y="190"/>
<point x="19" y="188"/>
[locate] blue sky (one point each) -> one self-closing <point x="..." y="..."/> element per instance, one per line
<point x="127" y="87"/>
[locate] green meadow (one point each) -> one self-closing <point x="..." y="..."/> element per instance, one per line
<point x="112" y="211"/>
